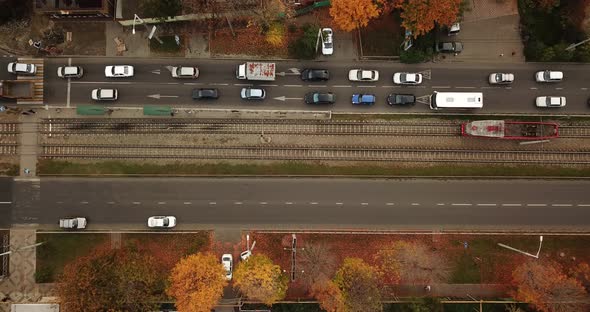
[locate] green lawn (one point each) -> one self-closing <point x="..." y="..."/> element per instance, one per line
<point x="61" y="248"/>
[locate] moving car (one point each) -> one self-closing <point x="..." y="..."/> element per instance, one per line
<point x="205" y="93"/>
<point x="165" y="222"/>
<point x="22" y="68"/>
<point x="73" y="223"/>
<point x="70" y="72"/>
<point x="317" y="97"/>
<point x="105" y="94"/>
<point x="118" y="71"/>
<point x="185" y="72"/>
<point x="401" y="99"/>
<point x="449" y="47"/>
<point x="501" y="78"/>
<point x="363" y="75"/>
<point x="253" y="94"/>
<point x="313" y="74"/>
<point x="327" y="42"/>
<point x="549" y="76"/>
<point x="407" y="78"/>
<point x="363" y="99"/>
<point x="550" y="101"/>
<point x="227" y="261"/>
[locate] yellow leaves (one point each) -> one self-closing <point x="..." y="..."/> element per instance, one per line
<point x="352" y="14"/>
<point x="420" y="16"/>
<point x="276" y="34"/>
<point x="259" y="279"/>
<point x="197" y="283"/>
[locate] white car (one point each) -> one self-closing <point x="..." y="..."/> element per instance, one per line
<point x="550" y="101"/>
<point x="253" y="94"/>
<point x="327" y="42"/>
<point x="501" y="78"/>
<point x="105" y="94"/>
<point x="185" y="72"/>
<point x="70" y="72"/>
<point x="22" y="68"/>
<point x="118" y="71"/>
<point x="549" y="76"/>
<point x="407" y="78"/>
<point x="227" y="261"/>
<point x="363" y="75"/>
<point x="162" y="222"/>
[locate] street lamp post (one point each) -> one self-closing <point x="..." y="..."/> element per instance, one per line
<point x="536" y="256"/>
<point x="151" y="32"/>
<point x="22" y="248"/>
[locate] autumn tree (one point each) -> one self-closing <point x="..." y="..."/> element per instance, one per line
<point x="360" y="284"/>
<point x="329" y="296"/>
<point x="581" y="273"/>
<point x="110" y="280"/>
<point x="197" y="283"/>
<point x="260" y="279"/>
<point x="349" y="15"/>
<point x="546" y="287"/>
<point x="420" y="16"/>
<point x="318" y="263"/>
<point x="413" y="263"/>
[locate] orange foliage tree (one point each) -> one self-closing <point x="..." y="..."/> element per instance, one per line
<point x="360" y="285"/>
<point x="420" y="16"/>
<point x="110" y="280"/>
<point x="546" y="287"/>
<point x="197" y="283"/>
<point x="349" y="15"/>
<point x="412" y="263"/>
<point x="260" y="279"/>
<point x="329" y="296"/>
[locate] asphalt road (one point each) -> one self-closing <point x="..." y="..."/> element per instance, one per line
<point x="153" y="78"/>
<point x="5" y="201"/>
<point x="305" y="202"/>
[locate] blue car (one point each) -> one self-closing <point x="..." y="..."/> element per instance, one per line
<point x="363" y="99"/>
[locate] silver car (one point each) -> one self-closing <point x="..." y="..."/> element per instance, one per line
<point x="22" y="68"/>
<point x="253" y="94"/>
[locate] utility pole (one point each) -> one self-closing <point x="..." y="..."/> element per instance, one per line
<point x="152" y="32"/>
<point x="536" y="256"/>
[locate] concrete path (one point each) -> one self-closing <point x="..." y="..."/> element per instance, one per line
<point x="477" y="291"/>
<point x="28" y="146"/>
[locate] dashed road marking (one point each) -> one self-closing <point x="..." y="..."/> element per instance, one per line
<point x="293" y="86"/>
<point x="561" y="205"/>
<point x="161" y="203"/>
<point x="237" y="203"/>
<point x="441" y="87"/>
<point x="187" y="203"/>
<point x="536" y="205"/>
<point x="212" y="203"/>
<point x="558" y="88"/>
<point x="440" y="204"/>
<point x="512" y="205"/>
<point x="269" y="85"/>
<point x="367" y="86"/>
<point x="584" y="205"/>
<point x="460" y="204"/>
<point x="339" y="204"/>
<point x="389" y="204"/>
<point x="136" y="203"/>
<point x="111" y="203"/>
<point x="317" y="86"/>
<point x="219" y="84"/>
<point x="263" y="203"/>
<point x="84" y="202"/>
<point x="485" y="205"/>
<point x="313" y="203"/>
<point x="415" y="204"/>
<point x="5" y="203"/>
<point x="288" y="203"/>
<point x="342" y="86"/>
<point x="465" y="87"/>
<point x="364" y="204"/>
<point x="533" y="88"/>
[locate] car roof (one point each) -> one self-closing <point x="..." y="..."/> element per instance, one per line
<point x="255" y="92"/>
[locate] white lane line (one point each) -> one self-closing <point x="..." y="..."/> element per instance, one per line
<point x="84" y="202"/>
<point x="561" y="205"/>
<point x="242" y="84"/>
<point x="113" y="82"/>
<point x="293" y="86"/>
<point x="440" y="204"/>
<point x="188" y="203"/>
<point x="219" y="84"/>
<point x="269" y="85"/>
<point x="441" y="87"/>
<point x="339" y="204"/>
<point x="465" y="87"/>
<point x="364" y="204"/>
<point x="161" y="203"/>
<point x="583" y="88"/>
<point x="212" y="203"/>
<point x="5" y="203"/>
<point x="533" y="88"/>
<point x="536" y="205"/>
<point x="583" y="205"/>
<point x="367" y="86"/>
<point x="60" y="202"/>
<point x="317" y="86"/>
<point x="461" y="204"/>
<point x="342" y="86"/>
<point x="111" y="203"/>
<point x="136" y="203"/>
<point x="69" y="86"/>
<point x="313" y="203"/>
<point x="288" y="203"/>
<point x="237" y="203"/>
<point x="486" y="205"/>
<point x="558" y="88"/>
<point x="512" y="205"/>
<point x="263" y="203"/>
<point x="389" y="204"/>
<point x="415" y="204"/>
<point x="194" y="84"/>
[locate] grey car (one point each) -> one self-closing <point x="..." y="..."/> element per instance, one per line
<point x="449" y="47"/>
<point x="205" y="93"/>
<point x="253" y="94"/>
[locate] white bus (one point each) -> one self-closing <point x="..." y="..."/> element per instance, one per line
<point x="440" y="100"/>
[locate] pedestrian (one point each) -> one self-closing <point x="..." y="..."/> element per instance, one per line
<point x="513" y="53"/>
<point x="27" y="171"/>
<point x="501" y="54"/>
<point x="427" y="288"/>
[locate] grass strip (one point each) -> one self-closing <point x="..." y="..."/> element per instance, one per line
<point x="56" y="167"/>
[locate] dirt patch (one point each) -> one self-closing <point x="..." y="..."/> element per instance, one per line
<point x="249" y="41"/>
<point x="87" y="40"/>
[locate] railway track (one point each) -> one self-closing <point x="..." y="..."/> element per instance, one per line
<point x="327" y="153"/>
<point x="574" y="131"/>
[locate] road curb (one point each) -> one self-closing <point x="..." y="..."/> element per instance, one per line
<point x="320" y="176"/>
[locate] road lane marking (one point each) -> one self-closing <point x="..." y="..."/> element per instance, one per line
<point x="263" y="203"/>
<point x="288" y="203"/>
<point x="364" y="204"/>
<point x="60" y="202"/>
<point x="111" y="203"/>
<point x="533" y="88"/>
<point x="212" y="203"/>
<point x="339" y="204"/>
<point x="415" y="204"/>
<point x="389" y="204"/>
<point x="317" y="86"/>
<point x="441" y="87"/>
<point x="194" y="84"/>
<point x="267" y="85"/>
<point x="536" y="205"/>
<point x="558" y="88"/>
<point x="440" y="204"/>
<point x="187" y="203"/>
<point x="113" y="82"/>
<point x="465" y="87"/>
<point x="584" y="88"/>
<point x="219" y="84"/>
<point x="460" y="204"/>
<point x="69" y="87"/>
<point x="512" y="205"/>
<point x="313" y="203"/>
<point x="84" y="202"/>
<point x="242" y="84"/>
<point x="367" y="86"/>
<point x="584" y="205"/>
<point x="293" y="86"/>
<point x="161" y="203"/>
<point x="561" y="205"/>
<point x="136" y="203"/>
<point x="486" y="205"/>
<point x="342" y="86"/>
<point x="237" y="203"/>
<point x="5" y="203"/>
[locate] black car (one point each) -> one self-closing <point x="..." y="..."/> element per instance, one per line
<point x="320" y="98"/>
<point x="201" y="94"/>
<point x="449" y="47"/>
<point x="401" y="99"/>
<point x="311" y="74"/>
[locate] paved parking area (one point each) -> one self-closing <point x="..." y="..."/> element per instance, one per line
<point x="489" y="33"/>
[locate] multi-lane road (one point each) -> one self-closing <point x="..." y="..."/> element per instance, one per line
<point x="152" y="79"/>
<point x="126" y="203"/>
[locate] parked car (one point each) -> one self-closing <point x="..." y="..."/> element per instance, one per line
<point x="22" y="68"/>
<point x="185" y="72"/>
<point x="501" y="78"/>
<point x="227" y="261"/>
<point x="205" y="93"/>
<point x="118" y="71"/>
<point x="327" y="42"/>
<point x="407" y="78"/>
<point x="449" y="47"/>
<point x="454" y="29"/>
<point x="70" y="72"/>
<point x="253" y="94"/>
<point x="317" y="97"/>
<point x="313" y="74"/>
<point x="105" y="94"/>
<point x="550" y="101"/>
<point x="549" y="76"/>
<point x="401" y="99"/>
<point x="363" y="75"/>
<point x="165" y="222"/>
<point x="363" y="99"/>
<point x="73" y="223"/>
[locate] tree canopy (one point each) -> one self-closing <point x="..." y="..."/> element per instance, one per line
<point x="161" y="9"/>
<point x="360" y="286"/>
<point x="412" y="263"/>
<point x="260" y="279"/>
<point x="349" y="15"/>
<point x="420" y="16"/>
<point x="197" y="283"/>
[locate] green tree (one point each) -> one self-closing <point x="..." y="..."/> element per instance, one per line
<point x="260" y="279"/>
<point x="360" y="284"/>
<point x="582" y="53"/>
<point x="161" y="9"/>
<point x="110" y="280"/>
<point x="304" y="47"/>
<point x="197" y="283"/>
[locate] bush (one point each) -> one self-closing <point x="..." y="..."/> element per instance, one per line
<point x="292" y="28"/>
<point x="413" y="56"/>
<point x="304" y="47"/>
<point x="582" y="53"/>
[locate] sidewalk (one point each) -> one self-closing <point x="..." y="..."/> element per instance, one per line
<point x="477" y="291"/>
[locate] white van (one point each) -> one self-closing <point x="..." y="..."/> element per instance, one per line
<point x="105" y="94"/>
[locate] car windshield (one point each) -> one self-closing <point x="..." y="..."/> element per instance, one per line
<point x="316" y="97"/>
<point x="165" y="222"/>
<point x="547" y="75"/>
